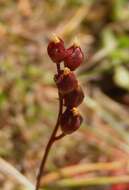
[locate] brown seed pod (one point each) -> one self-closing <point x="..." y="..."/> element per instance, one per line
<point x="74" y="57"/>
<point x="74" y="98"/>
<point x="66" y="81"/>
<point x="70" y="121"/>
<point x="56" y="49"/>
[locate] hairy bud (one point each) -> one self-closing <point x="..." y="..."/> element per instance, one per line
<point x="74" y="57"/>
<point x="66" y="81"/>
<point x="56" y="50"/>
<point x="74" y="98"/>
<point x="70" y="121"/>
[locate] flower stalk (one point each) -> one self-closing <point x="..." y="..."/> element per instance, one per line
<point x="52" y="139"/>
<point x="69" y="95"/>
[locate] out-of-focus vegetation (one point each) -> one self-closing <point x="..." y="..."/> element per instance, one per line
<point x="99" y="151"/>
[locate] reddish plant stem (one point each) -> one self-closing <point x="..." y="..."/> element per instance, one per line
<point x="52" y="139"/>
<point x="59" y="136"/>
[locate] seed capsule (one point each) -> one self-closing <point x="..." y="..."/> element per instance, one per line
<point x="56" y="49"/>
<point x="70" y="121"/>
<point x="74" y="57"/>
<point x="74" y="98"/>
<point x="66" y="81"/>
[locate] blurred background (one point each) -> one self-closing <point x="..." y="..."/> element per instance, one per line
<point x="97" y="155"/>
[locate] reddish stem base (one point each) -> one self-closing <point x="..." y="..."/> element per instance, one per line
<point x="52" y="139"/>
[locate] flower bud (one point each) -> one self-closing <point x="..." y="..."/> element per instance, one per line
<point x="66" y="81"/>
<point x="74" y="57"/>
<point x="74" y="98"/>
<point x="56" y="49"/>
<point x="70" y="121"/>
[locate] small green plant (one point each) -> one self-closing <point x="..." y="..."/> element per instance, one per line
<point x="69" y="91"/>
